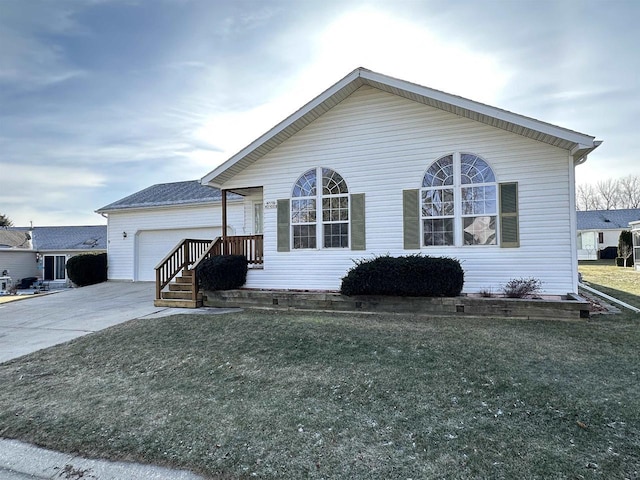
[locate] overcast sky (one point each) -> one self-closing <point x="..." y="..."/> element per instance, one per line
<point x="102" y="98"/>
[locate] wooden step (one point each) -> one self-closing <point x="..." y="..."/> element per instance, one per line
<point x="177" y="303"/>
<point x="184" y="280"/>
<point x="179" y="295"/>
<point x="180" y="287"/>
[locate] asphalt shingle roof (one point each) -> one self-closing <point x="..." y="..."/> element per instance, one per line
<point x="89" y="237"/>
<point x="607" y="219"/>
<point x="13" y="239"/>
<point x="167" y="194"/>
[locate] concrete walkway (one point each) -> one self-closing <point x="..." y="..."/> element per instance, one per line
<point x="31" y="324"/>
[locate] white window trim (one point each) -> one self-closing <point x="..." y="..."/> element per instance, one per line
<point x="458" y="217"/>
<point x="319" y="223"/>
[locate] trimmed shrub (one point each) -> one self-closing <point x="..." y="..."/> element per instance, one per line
<point x="625" y="249"/>
<point x="522" y="287"/>
<point x="222" y="272"/>
<point x="407" y="276"/>
<point x="87" y="269"/>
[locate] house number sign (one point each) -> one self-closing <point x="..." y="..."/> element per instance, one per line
<point x="271" y="204"/>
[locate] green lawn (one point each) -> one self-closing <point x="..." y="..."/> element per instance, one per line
<point x="621" y="283"/>
<point x="310" y="395"/>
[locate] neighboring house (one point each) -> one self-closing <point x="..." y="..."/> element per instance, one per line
<point x="145" y="226"/>
<point x="375" y="165"/>
<point x="17" y="258"/>
<point x="44" y="251"/>
<point x="599" y="231"/>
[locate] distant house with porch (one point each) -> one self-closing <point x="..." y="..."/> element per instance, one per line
<point x="599" y="231"/>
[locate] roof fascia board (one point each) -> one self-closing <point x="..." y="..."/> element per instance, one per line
<point x="70" y="250"/>
<point x="367" y="76"/>
<point x="480" y="108"/>
<point x="208" y="179"/>
<point x="165" y="207"/>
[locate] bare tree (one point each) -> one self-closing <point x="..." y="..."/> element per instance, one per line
<point x="629" y="188"/>
<point x="587" y="197"/>
<point x="608" y="193"/>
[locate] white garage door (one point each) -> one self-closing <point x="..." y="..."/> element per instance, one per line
<point x="154" y="245"/>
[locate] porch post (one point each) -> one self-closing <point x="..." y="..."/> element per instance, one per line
<point x="224" y="222"/>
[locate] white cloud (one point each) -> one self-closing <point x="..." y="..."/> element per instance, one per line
<point x="382" y="42"/>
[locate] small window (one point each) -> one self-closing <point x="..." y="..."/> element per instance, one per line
<point x="600" y="237"/>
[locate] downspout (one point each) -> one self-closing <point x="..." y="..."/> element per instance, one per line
<point x="573" y="221"/>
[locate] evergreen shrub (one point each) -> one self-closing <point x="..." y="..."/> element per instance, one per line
<point x="407" y="276"/>
<point x="87" y="269"/>
<point x="222" y="272"/>
<point x="625" y="249"/>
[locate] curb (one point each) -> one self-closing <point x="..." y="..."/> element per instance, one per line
<point x="22" y="461"/>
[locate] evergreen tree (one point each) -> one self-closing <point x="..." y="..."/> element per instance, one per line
<point x="5" y="221"/>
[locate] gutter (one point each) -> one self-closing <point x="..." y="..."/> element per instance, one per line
<point x="610" y="298"/>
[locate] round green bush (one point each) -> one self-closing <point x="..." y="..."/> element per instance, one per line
<point x="407" y="276"/>
<point x="87" y="269"/>
<point x="222" y="272"/>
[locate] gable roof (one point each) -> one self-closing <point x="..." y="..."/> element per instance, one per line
<point x="14" y="239"/>
<point x="579" y="144"/>
<point x="607" y="219"/>
<point x="88" y="237"/>
<point x="191" y="192"/>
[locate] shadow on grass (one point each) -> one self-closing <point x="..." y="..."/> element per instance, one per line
<point x="626" y="297"/>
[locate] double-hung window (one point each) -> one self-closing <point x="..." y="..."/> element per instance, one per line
<point x="459" y="202"/>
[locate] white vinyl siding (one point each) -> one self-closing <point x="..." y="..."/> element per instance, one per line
<point x="383" y="144"/>
<point x="19" y="264"/>
<point x="151" y="231"/>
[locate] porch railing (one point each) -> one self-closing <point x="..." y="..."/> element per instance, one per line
<point x="250" y="246"/>
<point x="189" y="253"/>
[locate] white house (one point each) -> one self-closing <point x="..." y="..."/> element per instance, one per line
<point x="377" y="165"/>
<point x="42" y="252"/>
<point x="145" y="226"/>
<point x="599" y="231"/>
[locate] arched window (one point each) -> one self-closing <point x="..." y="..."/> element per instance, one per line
<point x="329" y="228"/>
<point x="459" y="202"/>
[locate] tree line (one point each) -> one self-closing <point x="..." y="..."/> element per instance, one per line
<point x="610" y="194"/>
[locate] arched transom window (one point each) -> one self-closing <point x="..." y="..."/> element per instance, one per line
<point x="459" y="202"/>
<point x="320" y="211"/>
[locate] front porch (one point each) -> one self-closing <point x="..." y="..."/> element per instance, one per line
<point x="176" y="275"/>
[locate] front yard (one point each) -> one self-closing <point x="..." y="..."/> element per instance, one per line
<point x="310" y="395"/>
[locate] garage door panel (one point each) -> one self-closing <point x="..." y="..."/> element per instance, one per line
<point x="154" y="245"/>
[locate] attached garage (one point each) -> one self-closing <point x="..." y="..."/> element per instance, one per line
<point x="144" y="227"/>
<point x="153" y="245"/>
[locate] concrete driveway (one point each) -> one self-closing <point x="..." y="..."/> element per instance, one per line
<point x="45" y="320"/>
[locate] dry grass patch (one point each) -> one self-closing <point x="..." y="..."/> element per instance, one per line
<point x="619" y="282"/>
<point x="306" y="395"/>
